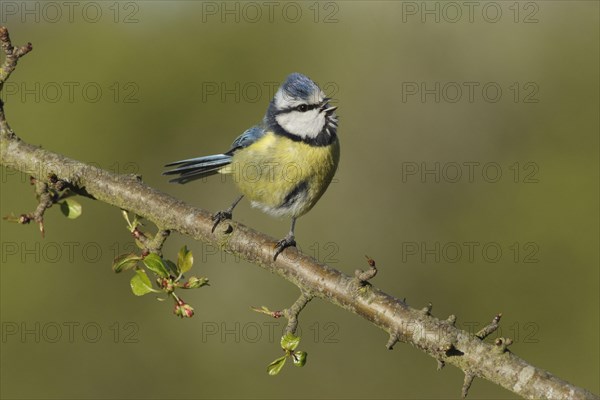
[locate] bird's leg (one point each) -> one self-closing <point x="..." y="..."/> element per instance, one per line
<point x="226" y="214"/>
<point x="287" y="241"/>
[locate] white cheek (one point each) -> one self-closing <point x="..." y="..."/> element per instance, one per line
<point x="304" y="124"/>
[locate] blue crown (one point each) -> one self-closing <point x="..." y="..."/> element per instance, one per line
<point x="299" y="86"/>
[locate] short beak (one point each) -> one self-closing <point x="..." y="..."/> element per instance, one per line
<point x="325" y="107"/>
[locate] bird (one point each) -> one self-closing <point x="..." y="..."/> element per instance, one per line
<point x="284" y="164"/>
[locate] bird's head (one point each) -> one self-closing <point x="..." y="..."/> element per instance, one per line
<point x="301" y="110"/>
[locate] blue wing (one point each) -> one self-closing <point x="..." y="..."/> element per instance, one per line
<point x="247" y="138"/>
<point x="199" y="167"/>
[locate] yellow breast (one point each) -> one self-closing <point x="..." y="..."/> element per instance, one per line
<point x="284" y="177"/>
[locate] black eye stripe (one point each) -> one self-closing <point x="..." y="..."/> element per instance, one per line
<point x="312" y="106"/>
<point x="300" y="108"/>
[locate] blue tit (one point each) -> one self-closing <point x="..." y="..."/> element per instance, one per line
<point x="282" y="165"/>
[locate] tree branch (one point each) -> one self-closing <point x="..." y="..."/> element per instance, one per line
<point x="438" y="338"/>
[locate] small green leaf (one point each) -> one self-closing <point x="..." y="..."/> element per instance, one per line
<point x="194" y="282"/>
<point x="70" y="208"/>
<point x="299" y="358"/>
<point x="130" y="225"/>
<point x="275" y="366"/>
<point x="184" y="260"/>
<point x="262" y="310"/>
<point x="155" y="264"/>
<point x="289" y="341"/>
<point x="125" y="261"/>
<point x="140" y="283"/>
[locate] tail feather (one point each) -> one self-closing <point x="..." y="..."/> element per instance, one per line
<point x="196" y="168"/>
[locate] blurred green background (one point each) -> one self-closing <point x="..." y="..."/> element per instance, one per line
<point x="130" y="86"/>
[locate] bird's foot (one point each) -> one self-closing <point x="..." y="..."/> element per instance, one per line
<point x="220" y="216"/>
<point x="284" y="243"/>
